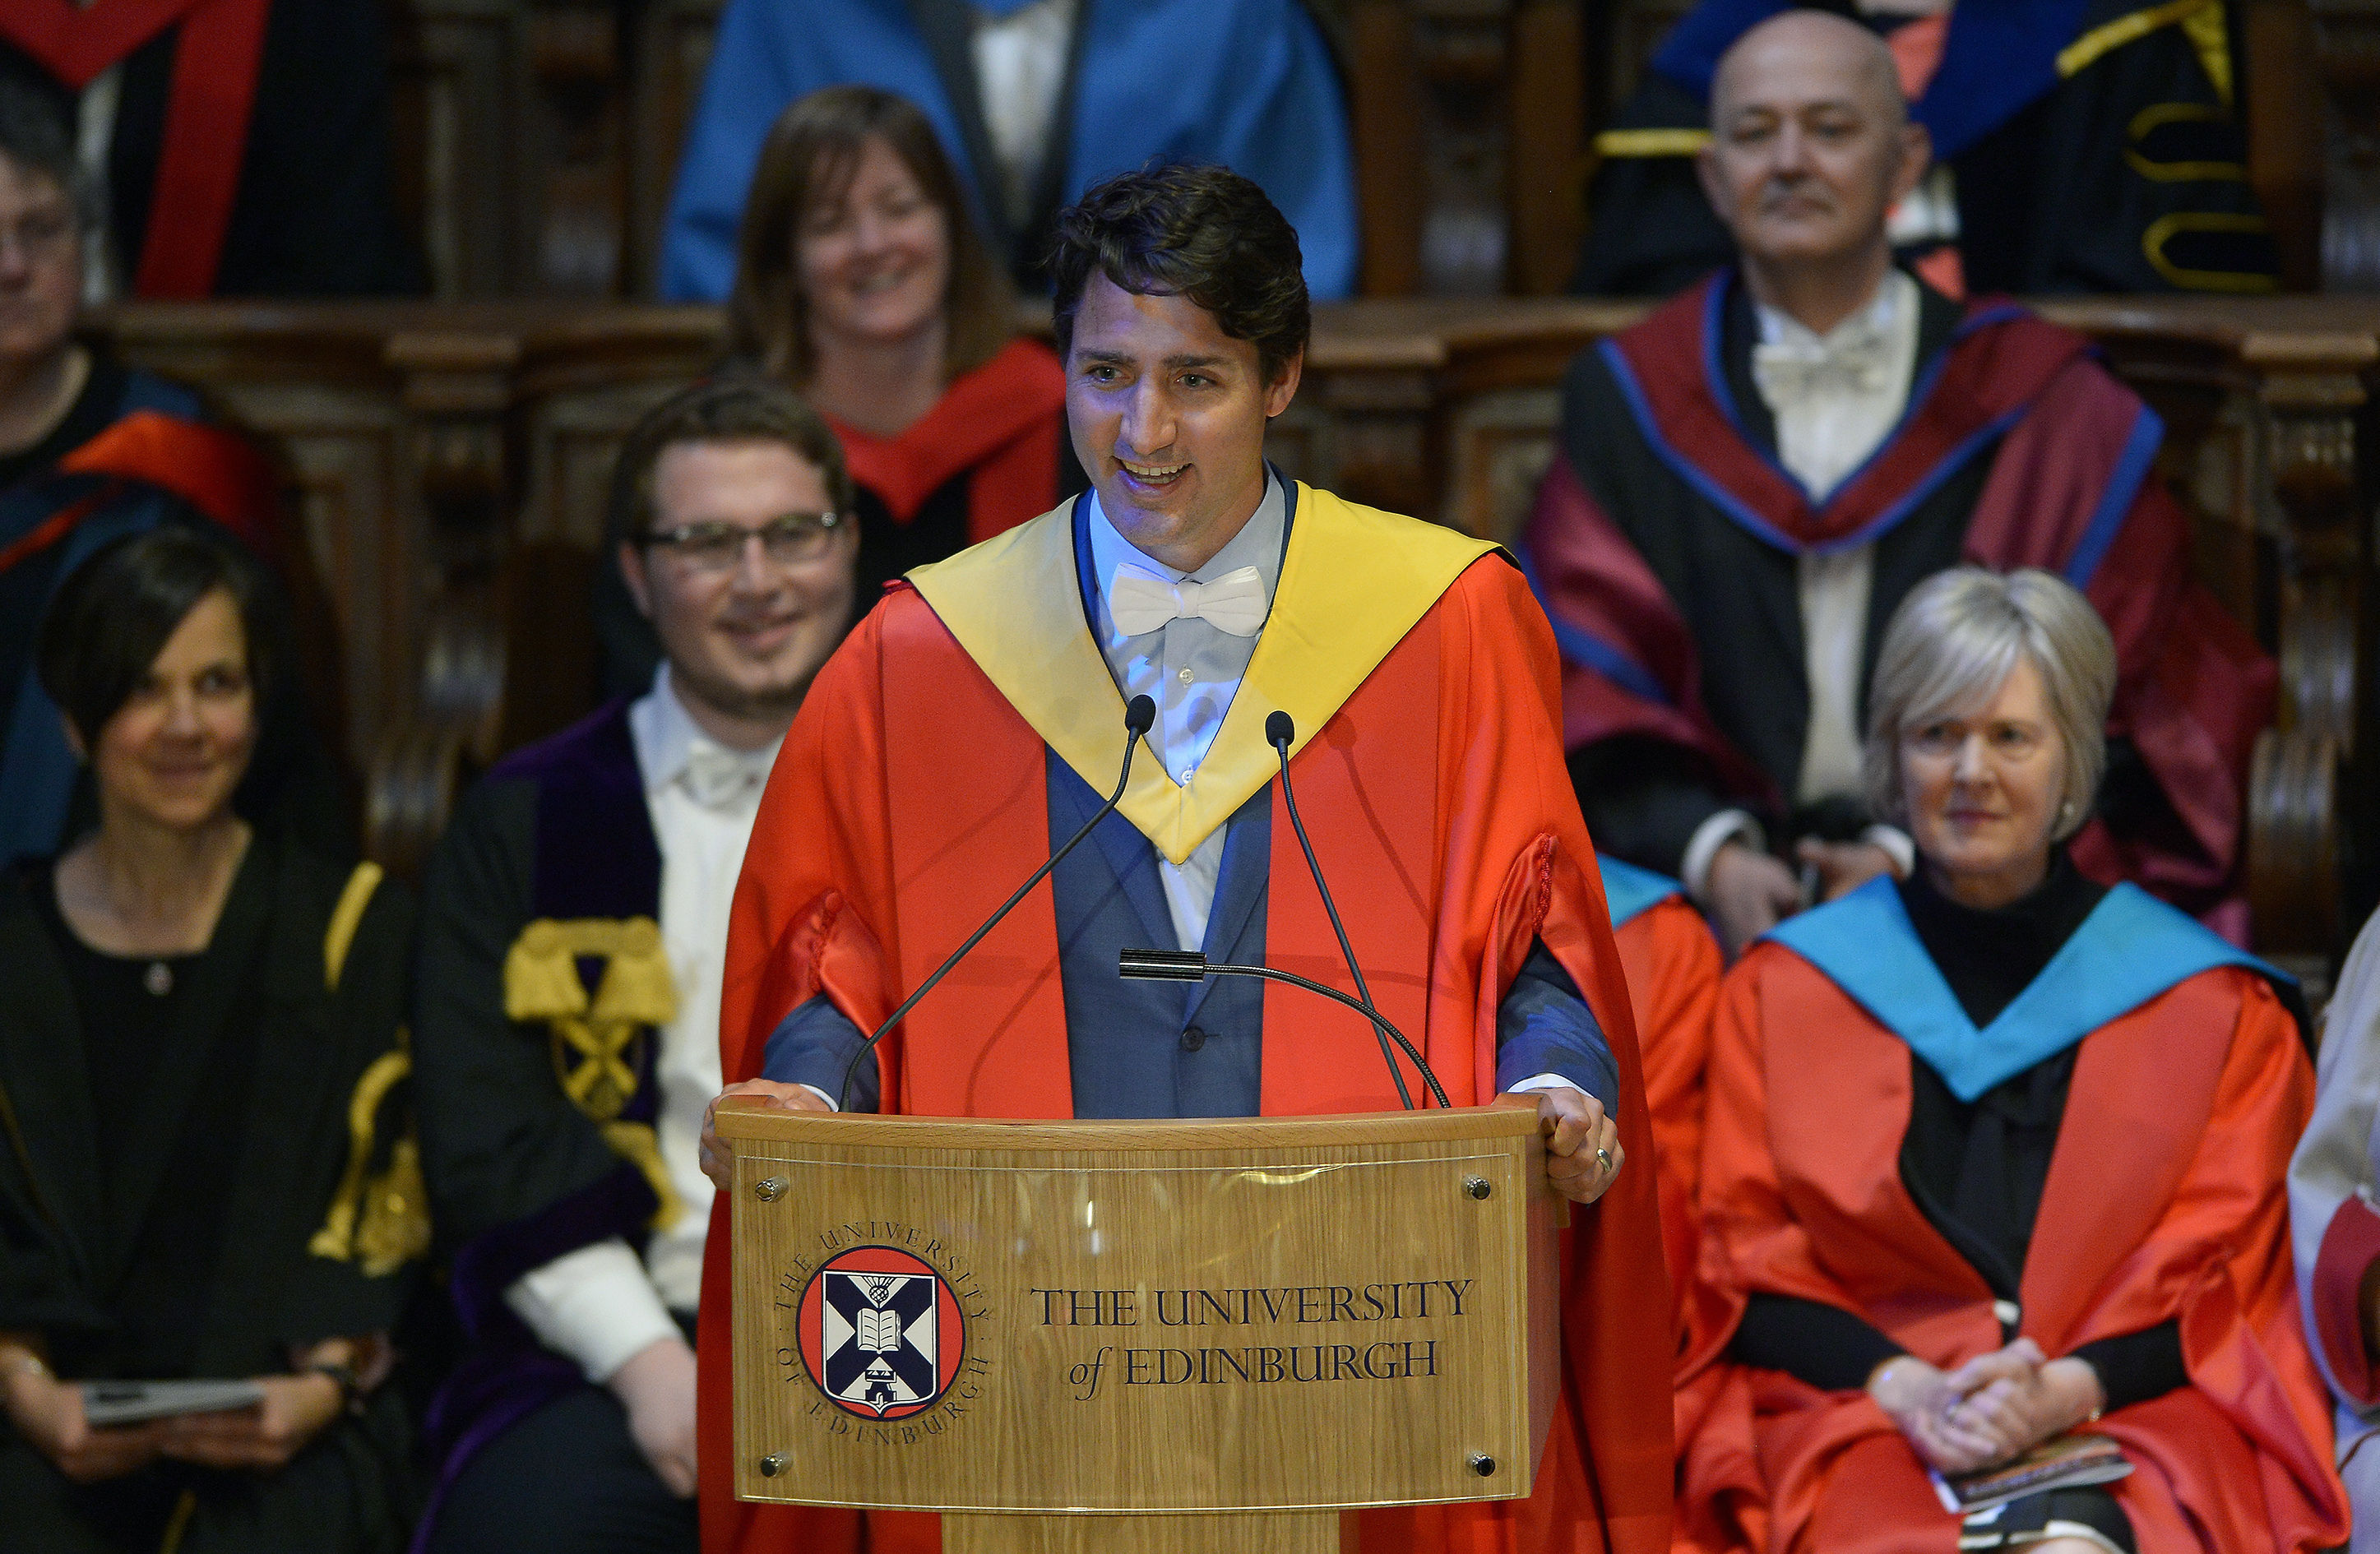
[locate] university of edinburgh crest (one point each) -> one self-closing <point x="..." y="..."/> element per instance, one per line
<point x="881" y="1333"/>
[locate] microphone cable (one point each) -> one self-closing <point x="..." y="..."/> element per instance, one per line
<point x="1139" y="717"/>
<point x="1281" y="733"/>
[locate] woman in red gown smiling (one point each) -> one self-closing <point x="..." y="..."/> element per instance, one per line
<point x="864" y="283"/>
<point x="1994" y="1154"/>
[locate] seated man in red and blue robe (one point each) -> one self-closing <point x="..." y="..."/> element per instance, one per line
<point x="1752" y="479"/>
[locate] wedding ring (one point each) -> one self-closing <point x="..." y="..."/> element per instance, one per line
<point x="1604" y="1157"/>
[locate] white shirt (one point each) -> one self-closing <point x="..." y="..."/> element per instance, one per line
<point x="1192" y="670"/>
<point x="1835" y="398"/>
<point x="1020" y="67"/>
<point x="600" y="1304"/>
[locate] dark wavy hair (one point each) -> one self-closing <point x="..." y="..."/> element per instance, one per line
<point x="807" y="162"/>
<point x="112" y="615"/>
<point x="1184" y="230"/>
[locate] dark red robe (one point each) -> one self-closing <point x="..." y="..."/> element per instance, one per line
<point x="2050" y="463"/>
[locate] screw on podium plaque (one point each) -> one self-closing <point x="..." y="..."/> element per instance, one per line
<point x="1141" y="1336"/>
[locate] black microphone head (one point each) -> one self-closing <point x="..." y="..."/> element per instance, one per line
<point x="1139" y="716"/>
<point x="1280" y="731"/>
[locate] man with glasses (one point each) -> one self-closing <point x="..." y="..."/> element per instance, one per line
<point x="575" y="928"/>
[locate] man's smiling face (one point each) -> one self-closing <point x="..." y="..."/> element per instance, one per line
<point x="1167" y="415"/>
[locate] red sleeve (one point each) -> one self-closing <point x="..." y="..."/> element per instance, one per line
<point x="813" y="871"/>
<point x="2349" y="1247"/>
<point x="1516" y="790"/>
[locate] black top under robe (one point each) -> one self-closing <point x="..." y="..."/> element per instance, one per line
<point x="1976" y="1170"/>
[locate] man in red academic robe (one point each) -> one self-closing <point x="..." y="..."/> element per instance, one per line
<point x="1752" y="478"/>
<point x="966" y="723"/>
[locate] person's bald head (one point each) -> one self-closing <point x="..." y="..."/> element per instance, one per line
<point x="1809" y="54"/>
<point x="1811" y="141"/>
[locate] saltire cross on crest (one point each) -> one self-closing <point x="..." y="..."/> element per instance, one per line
<point x="880" y="1332"/>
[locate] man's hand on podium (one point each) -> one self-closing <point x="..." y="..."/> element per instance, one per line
<point x="716" y="1161"/>
<point x="1582" y="1153"/>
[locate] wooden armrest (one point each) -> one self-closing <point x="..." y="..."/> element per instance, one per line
<point x="2293" y="884"/>
<point x="421" y="762"/>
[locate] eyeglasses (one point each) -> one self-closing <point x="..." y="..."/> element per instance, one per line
<point x="791" y="541"/>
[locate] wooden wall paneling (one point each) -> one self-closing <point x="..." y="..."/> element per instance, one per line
<point x="451" y="465"/>
<point x="1464" y="51"/>
<point x="1499" y="445"/>
<point x="513" y="143"/>
<point x="2285" y="131"/>
<point x="1626" y="32"/>
<point x="1546" y="149"/>
<point x="343" y="446"/>
<point x="2315" y="392"/>
<point x="572" y="237"/>
<point x="457" y="386"/>
<point x="583" y="383"/>
<point x="1384" y="90"/>
<point x="452" y="85"/>
<point x="2347" y="41"/>
<point x="669" y="53"/>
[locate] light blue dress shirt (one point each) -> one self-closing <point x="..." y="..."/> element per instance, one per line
<point x="1191" y="669"/>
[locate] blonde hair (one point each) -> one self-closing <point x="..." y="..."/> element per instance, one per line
<point x="1953" y="643"/>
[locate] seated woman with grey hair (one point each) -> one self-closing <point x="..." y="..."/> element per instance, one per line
<point x="1994" y="1157"/>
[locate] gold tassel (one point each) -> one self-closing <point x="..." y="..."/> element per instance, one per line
<point x="178" y="1525"/>
<point x="636" y="984"/>
<point x="396" y="1228"/>
<point x="635" y="1142"/>
<point x="541" y="973"/>
<point x="337" y="1239"/>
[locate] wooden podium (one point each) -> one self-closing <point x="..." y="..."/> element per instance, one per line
<point x="1141" y="1336"/>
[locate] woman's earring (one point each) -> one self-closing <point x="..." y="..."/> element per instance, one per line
<point x="2066" y="811"/>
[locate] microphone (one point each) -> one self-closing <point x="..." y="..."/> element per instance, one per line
<point x="1281" y="733"/>
<point x="1139" y="717"/>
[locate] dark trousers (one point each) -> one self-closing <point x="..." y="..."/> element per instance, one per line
<point x="568" y="1479"/>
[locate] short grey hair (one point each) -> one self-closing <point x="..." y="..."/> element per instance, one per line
<point x="1953" y="642"/>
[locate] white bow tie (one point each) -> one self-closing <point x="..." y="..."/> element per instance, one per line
<point x="1857" y="365"/>
<point x="718" y="777"/>
<point x="1140" y="602"/>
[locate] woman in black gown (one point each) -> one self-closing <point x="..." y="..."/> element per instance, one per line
<point x="202" y="1171"/>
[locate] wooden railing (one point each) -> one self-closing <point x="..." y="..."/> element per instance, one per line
<point x="449" y="462"/>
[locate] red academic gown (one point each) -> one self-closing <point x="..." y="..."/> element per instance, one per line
<point x="2165" y="1201"/>
<point x="1672" y="965"/>
<point x="1000" y="424"/>
<point x="1673" y="968"/>
<point x="1431" y="775"/>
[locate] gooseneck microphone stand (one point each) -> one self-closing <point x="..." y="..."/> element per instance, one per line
<point x="1138" y="717"/>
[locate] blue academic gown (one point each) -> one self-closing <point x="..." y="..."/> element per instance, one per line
<point x="1248" y="84"/>
<point x="1185" y="1049"/>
